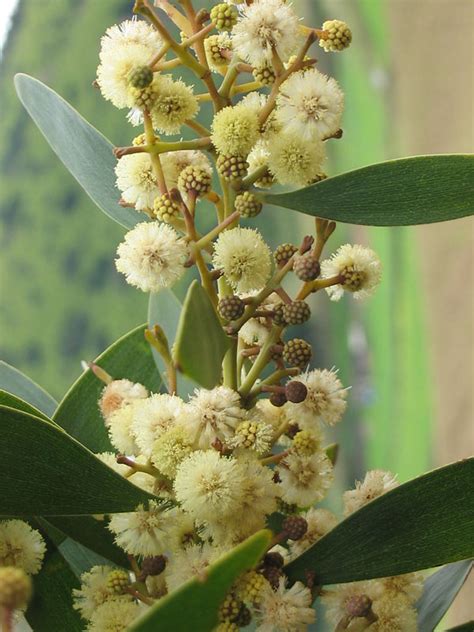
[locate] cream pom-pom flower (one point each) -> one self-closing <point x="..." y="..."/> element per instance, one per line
<point x="375" y="483"/>
<point x="174" y="162"/>
<point x="325" y="401"/>
<point x="310" y="105"/>
<point x="244" y="258"/>
<point x="295" y="160"/>
<point x="359" y="268"/>
<point x="394" y="613"/>
<point x="152" y="256"/>
<point x="259" y="496"/>
<point x="118" y="393"/>
<point x="170" y="448"/>
<point x="174" y="104"/>
<point x="409" y="586"/>
<point x="143" y="531"/>
<point x="266" y="26"/>
<point x="192" y="561"/>
<point x="208" y="486"/>
<point x="115" y="616"/>
<point x="286" y="609"/>
<point x="120" y="429"/>
<point x="94" y="591"/>
<point x="213" y="414"/>
<point x="338" y="597"/>
<point x="235" y="130"/>
<point x="136" y="181"/>
<point x="305" y="480"/>
<point x="153" y="416"/>
<point x="21" y="546"/>
<point x="124" y="47"/>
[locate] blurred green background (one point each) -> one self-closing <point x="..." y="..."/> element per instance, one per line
<point x="403" y="352"/>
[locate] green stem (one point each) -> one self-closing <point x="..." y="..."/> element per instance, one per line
<point x="229" y="79"/>
<point x="260" y="363"/>
<point x="155" y="159"/>
<point x="229" y="366"/>
<point x="163" y="147"/>
<point x="211" y="235"/>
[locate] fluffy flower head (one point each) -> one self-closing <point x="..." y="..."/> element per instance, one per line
<point x="114" y="616"/>
<point x="310" y="105"/>
<point x="153" y="416"/>
<point x="266" y="26"/>
<point x="141" y="532"/>
<point x="325" y="401"/>
<point x="152" y="256"/>
<point x="214" y="414"/>
<point x="21" y="546"/>
<point x="124" y="47"/>
<point x="244" y="258"/>
<point x="175" y="103"/>
<point x="286" y="609"/>
<point x="235" y="130"/>
<point x="305" y="479"/>
<point x="294" y="160"/>
<point x="208" y="486"/>
<point x="375" y="483"/>
<point x="94" y="591"/>
<point x="118" y="393"/>
<point x="136" y="181"/>
<point x="360" y="270"/>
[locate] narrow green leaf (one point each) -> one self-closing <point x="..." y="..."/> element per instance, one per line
<point x="48" y="473"/>
<point x="164" y="309"/>
<point x="200" y="343"/>
<point x="78" y="557"/>
<point x="51" y="607"/>
<point x="439" y="592"/>
<point x="16" y="383"/>
<point x="91" y="533"/>
<point x="195" y="604"/>
<point x="465" y="627"/>
<point x="83" y="150"/>
<point x="402" y="531"/>
<point x="78" y="413"/>
<point x="12" y="401"/>
<point x="417" y="190"/>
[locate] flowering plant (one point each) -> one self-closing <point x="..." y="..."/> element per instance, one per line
<point x="183" y="471"/>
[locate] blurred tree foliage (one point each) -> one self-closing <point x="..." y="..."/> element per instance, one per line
<point x="61" y="297"/>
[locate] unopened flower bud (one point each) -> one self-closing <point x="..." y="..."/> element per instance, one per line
<point x="224" y="16"/>
<point x="152" y="566"/>
<point x="296" y="392"/>
<point x="232" y="167"/>
<point x="272" y="574"/>
<point x="165" y="209"/>
<point x="195" y="180"/>
<point x="279" y="315"/>
<point x="295" y="527"/>
<point x="244" y="617"/>
<point x="283" y="254"/>
<point x="306" y="267"/>
<point x="230" y="608"/>
<point x="358" y="606"/>
<point x="338" y="36"/>
<point x="296" y="312"/>
<point x="231" y="307"/>
<point x="118" y="581"/>
<point x="278" y="399"/>
<point x="140" y="77"/>
<point x="297" y="353"/>
<point x="247" y="204"/>
<point x="273" y="559"/>
<point x="264" y="74"/>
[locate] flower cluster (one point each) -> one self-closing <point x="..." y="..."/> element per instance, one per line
<point x="254" y="445"/>
<point x="22" y="550"/>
